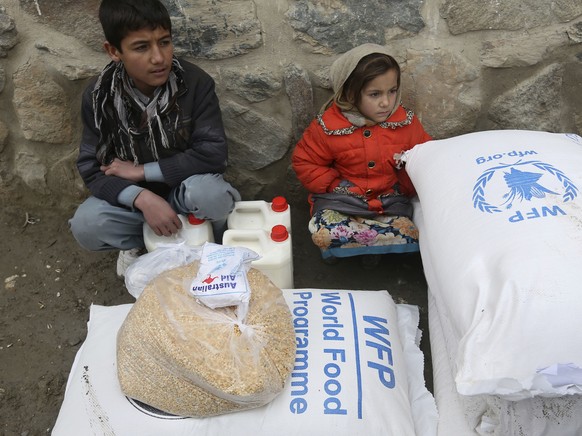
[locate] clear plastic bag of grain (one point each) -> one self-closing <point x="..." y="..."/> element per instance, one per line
<point x="181" y="357"/>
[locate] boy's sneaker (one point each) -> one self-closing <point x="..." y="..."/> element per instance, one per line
<point x="126" y="258"/>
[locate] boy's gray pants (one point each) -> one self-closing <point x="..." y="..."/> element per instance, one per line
<point x="97" y="225"/>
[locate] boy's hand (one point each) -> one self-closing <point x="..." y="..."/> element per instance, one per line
<point x="124" y="169"/>
<point x="158" y="213"/>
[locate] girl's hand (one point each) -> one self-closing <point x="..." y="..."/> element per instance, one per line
<point x="347" y="187"/>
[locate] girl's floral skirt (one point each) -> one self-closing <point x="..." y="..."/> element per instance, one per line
<point x="340" y="235"/>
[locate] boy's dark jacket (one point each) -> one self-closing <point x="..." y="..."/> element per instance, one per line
<point x="200" y="145"/>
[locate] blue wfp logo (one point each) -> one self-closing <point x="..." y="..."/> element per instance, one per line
<point x="523" y="184"/>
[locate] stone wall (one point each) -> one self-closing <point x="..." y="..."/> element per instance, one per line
<point x="467" y="65"/>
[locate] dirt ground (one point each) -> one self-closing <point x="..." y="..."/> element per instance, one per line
<point x="49" y="283"/>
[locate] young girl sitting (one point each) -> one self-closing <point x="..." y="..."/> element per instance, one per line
<point x="359" y="197"/>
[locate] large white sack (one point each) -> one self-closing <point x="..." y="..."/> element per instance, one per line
<point x="501" y="244"/>
<point x="490" y="415"/>
<point x="358" y="371"/>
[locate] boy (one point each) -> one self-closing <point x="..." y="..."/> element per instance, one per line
<point x="153" y="143"/>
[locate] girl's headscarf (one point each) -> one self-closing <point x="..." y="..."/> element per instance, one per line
<point x="343" y="66"/>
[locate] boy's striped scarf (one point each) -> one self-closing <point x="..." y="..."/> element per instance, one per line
<point x="117" y="106"/>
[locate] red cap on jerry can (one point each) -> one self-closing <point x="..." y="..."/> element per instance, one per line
<point x="279" y="233"/>
<point x="193" y="220"/>
<point x="279" y="204"/>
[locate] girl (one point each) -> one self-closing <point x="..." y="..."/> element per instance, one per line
<point x="346" y="160"/>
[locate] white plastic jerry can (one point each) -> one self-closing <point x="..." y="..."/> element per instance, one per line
<point x="274" y="247"/>
<point x="259" y="214"/>
<point x="194" y="232"/>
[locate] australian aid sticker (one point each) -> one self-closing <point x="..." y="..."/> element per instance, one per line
<point x="522" y="186"/>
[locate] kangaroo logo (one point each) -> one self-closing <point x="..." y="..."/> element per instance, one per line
<point x="521" y="185"/>
<point x="209" y="279"/>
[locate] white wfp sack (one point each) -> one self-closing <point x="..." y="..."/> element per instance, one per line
<point x="359" y="371"/>
<point x="501" y="243"/>
<point x="490" y="415"/>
